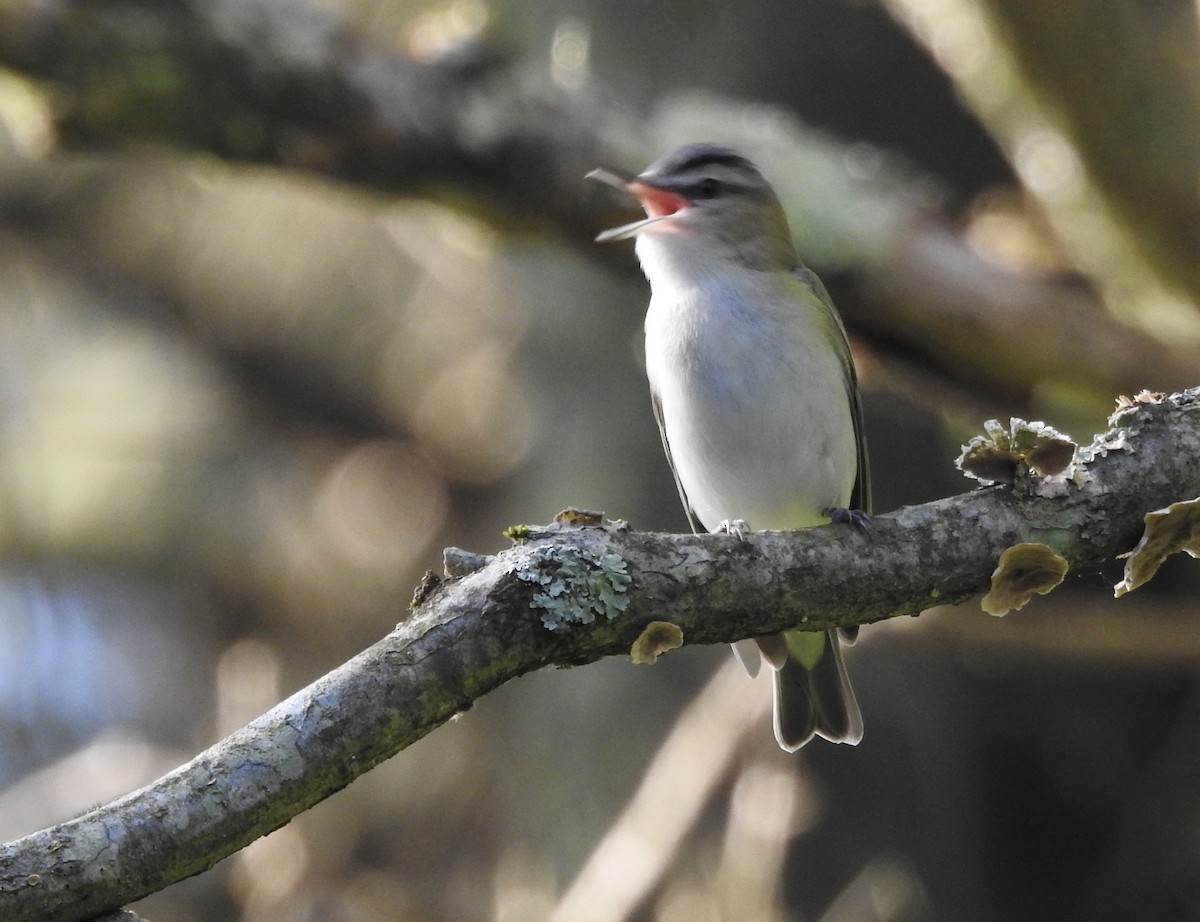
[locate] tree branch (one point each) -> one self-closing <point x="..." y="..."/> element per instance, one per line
<point x="472" y="633"/>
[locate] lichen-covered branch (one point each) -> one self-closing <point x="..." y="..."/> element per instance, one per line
<point x="571" y="594"/>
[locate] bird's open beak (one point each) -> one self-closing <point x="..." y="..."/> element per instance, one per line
<point x="659" y="203"/>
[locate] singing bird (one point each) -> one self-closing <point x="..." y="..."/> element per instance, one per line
<point x="754" y="390"/>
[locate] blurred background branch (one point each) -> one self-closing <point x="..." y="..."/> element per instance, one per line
<point x="1139" y="146"/>
<point x="285" y="83"/>
<point x="293" y="295"/>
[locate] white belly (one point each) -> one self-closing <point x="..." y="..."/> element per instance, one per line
<point x="755" y="407"/>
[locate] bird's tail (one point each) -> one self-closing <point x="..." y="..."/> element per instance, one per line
<point x="812" y="692"/>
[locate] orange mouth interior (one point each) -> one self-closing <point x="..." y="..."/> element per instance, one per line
<point x="658" y="202"/>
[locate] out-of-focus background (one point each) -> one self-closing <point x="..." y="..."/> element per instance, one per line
<point x="256" y="371"/>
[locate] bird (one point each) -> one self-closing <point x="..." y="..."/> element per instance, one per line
<point x="755" y="393"/>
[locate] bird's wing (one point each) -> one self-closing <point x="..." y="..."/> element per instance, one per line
<point x="861" y="497"/>
<point x="697" y="528"/>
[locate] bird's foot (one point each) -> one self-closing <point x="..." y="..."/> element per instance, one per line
<point x="855" y="517"/>
<point x="739" y="528"/>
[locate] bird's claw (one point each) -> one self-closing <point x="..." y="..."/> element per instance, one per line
<point x="739" y="528"/>
<point x="855" y="517"/>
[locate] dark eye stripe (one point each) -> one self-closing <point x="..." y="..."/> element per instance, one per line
<point x="710" y="187"/>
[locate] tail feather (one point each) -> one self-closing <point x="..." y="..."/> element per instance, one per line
<point x="814" y="697"/>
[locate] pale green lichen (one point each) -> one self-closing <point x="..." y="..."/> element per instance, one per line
<point x="576" y="585"/>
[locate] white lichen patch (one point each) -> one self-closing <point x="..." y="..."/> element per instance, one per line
<point x="575" y="585"/>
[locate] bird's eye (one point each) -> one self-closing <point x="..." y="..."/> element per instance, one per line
<point x="708" y="188"/>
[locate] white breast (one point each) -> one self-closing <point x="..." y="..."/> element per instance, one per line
<point x="753" y="392"/>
